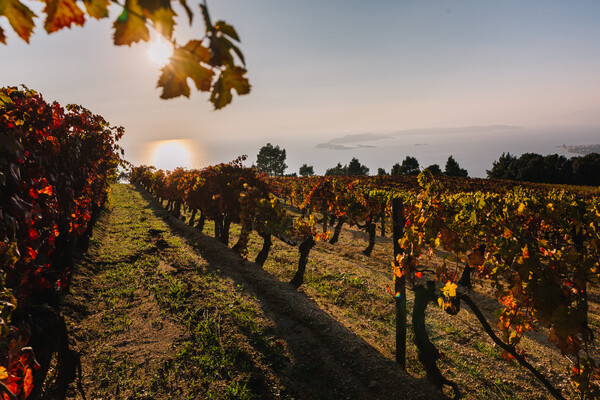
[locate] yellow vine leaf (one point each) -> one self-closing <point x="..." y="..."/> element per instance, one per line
<point x="230" y="79"/>
<point x="97" y="8"/>
<point x="19" y="16"/>
<point x="161" y="14"/>
<point x="62" y="14"/>
<point x="449" y="290"/>
<point x="441" y="303"/>
<point x="131" y="27"/>
<point x="183" y="65"/>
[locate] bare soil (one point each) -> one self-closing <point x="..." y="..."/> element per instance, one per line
<point x="149" y="281"/>
<point x="282" y="343"/>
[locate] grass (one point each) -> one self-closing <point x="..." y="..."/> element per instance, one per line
<point x="225" y="346"/>
<point x="222" y="337"/>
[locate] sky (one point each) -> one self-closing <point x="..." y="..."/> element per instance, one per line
<point x="322" y="70"/>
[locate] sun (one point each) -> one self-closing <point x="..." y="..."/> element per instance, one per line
<point x="160" y="51"/>
<point x="170" y="154"/>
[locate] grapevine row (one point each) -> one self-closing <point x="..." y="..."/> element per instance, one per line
<point x="536" y="246"/>
<point x="55" y="167"/>
<point x="537" y="249"/>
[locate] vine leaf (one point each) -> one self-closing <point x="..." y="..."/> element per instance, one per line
<point x="131" y="27"/>
<point x="225" y="28"/>
<point x="161" y="14"/>
<point x="97" y="8"/>
<point x="187" y="9"/>
<point x="449" y="290"/>
<point x="20" y="18"/>
<point x="231" y="78"/>
<point x="184" y="64"/>
<point x="164" y="21"/>
<point x="62" y="14"/>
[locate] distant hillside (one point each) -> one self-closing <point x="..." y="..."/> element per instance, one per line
<point x="583" y="149"/>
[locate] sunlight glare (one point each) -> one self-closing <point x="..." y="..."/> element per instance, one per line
<point x="170" y="154"/>
<point x="160" y="51"/>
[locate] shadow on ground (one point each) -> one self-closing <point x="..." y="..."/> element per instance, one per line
<point x="328" y="360"/>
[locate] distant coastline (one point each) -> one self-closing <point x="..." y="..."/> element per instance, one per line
<point x="583" y="149"/>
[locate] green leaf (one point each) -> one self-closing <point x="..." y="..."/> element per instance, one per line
<point x="225" y="28"/>
<point x="183" y="65"/>
<point x="97" y="8"/>
<point x="62" y="14"/>
<point x="131" y="27"/>
<point x="19" y="16"/>
<point x="231" y="78"/>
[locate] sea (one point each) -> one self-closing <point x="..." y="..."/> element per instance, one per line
<point x="474" y="151"/>
<point x="474" y="148"/>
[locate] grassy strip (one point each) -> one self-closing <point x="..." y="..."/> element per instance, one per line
<point x="162" y="323"/>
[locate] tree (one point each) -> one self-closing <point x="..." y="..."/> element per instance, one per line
<point x="558" y="169"/>
<point x="410" y="166"/>
<point x="453" y="169"/>
<point x="356" y="168"/>
<point x="271" y="160"/>
<point x="337" y="170"/>
<point x="381" y="172"/>
<point x="434" y="169"/>
<point x="586" y="169"/>
<point x="306" y="170"/>
<point x="210" y="62"/>
<point x="503" y="168"/>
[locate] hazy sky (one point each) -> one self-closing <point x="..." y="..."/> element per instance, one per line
<point x="325" y="69"/>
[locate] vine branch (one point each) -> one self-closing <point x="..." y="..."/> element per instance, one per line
<point x="509" y="349"/>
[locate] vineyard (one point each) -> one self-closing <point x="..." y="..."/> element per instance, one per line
<point x="535" y="251"/>
<point x="314" y="287"/>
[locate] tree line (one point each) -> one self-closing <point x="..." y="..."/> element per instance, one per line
<point x="271" y="160"/>
<point x="553" y="168"/>
<point x="529" y="167"/>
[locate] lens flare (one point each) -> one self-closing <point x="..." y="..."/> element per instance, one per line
<point x="170" y="154"/>
<point x="160" y="51"/>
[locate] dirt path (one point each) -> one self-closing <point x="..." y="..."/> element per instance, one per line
<point x="159" y="310"/>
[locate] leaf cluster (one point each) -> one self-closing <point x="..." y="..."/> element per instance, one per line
<point x="209" y="62"/>
<point x="539" y="253"/>
<point x="55" y="167"/>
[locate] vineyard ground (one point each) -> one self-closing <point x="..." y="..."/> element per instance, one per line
<point x="160" y="309"/>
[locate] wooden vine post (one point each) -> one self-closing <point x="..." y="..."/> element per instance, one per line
<point x="398" y="221"/>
